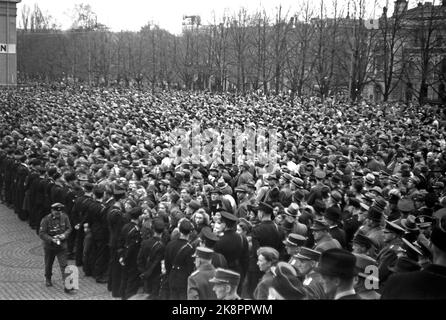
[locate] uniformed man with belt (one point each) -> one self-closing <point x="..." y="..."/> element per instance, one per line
<point x="54" y="230"/>
<point x="198" y="285"/>
<point x="179" y="262"/>
<point x="233" y="246"/>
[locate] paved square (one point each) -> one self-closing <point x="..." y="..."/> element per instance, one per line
<point x="22" y="266"/>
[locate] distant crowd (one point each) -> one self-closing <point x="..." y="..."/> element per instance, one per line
<point x="353" y="206"/>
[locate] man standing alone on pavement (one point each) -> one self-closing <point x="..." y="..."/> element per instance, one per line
<point x="54" y="230"/>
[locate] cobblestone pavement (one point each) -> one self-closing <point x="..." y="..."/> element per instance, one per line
<point x="22" y="267"/>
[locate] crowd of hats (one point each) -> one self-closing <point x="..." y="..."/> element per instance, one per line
<point x="384" y="162"/>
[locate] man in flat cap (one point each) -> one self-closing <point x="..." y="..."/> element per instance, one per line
<point x="54" y="230"/>
<point x="198" y="285"/>
<point x="179" y="262"/>
<point x="225" y="284"/>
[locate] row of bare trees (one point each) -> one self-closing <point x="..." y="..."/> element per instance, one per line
<point x="302" y="52"/>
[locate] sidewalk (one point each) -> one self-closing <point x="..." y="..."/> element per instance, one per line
<point x="22" y="267"/>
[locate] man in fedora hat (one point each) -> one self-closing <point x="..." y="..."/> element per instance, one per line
<point x="198" y="285"/>
<point x="388" y="255"/>
<point x="428" y="283"/>
<point x="338" y="270"/>
<point x="225" y="283"/>
<point x="322" y="237"/>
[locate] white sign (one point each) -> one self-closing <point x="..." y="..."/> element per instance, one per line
<point x="7" y="48"/>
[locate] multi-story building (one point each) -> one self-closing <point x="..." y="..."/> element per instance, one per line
<point x="416" y="41"/>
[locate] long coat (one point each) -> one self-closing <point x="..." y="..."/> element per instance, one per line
<point x="429" y="283"/>
<point x="198" y="285"/>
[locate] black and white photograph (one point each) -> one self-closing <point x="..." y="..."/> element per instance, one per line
<point x="246" y="150"/>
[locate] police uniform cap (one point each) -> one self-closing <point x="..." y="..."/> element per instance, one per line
<point x="407" y="245"/>
<point x="319" y="225"/>
<point x="363" y="240"/>
<point x="269" y="253"/>
<point x="393" y="227"/>
<point x="203" y="253"/>
<point x="224" y="276"/>
<point x="228" y="216"/>
<point x="308" y="254"/>
<point x="57" y="206"/>
<point x="424" y="221"/>
<point x="295" y="240"/>
<point x="333" y="213"/>
<point x="206" y="233"/>
<point x="362" y="262"/>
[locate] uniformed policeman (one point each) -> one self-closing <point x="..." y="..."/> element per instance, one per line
<point x="198" y="285"/>
<point x="304" y="262"/>
<point x="389" y="254"/>
<point x="225" y="284"/>
<point x="179" y="262"/>
<point x="128" y="248"/>
<point x="149" y="259"/>
<point x="322" y="237"/>
<point x="233" y="246"/>
<point x="208" y="240"/>
<point x="54" y="230"/>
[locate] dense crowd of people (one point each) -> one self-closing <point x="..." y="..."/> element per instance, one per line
<point x="353" y="207"/>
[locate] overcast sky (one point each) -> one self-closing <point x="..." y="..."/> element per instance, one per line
<point x="133" y="14"/>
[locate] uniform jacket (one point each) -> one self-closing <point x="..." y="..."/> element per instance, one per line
<point x="129" y="243"/>
<point x="198" y="285"/>
<point x="429" y="283"/>
<point x="313" y="287"/>
<point x="235" y="249"/>
<point x="150" y="255"/>
<point x="51" y="226"/>
<point x="179" y="262"/>
<point x="338" y="234"/>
